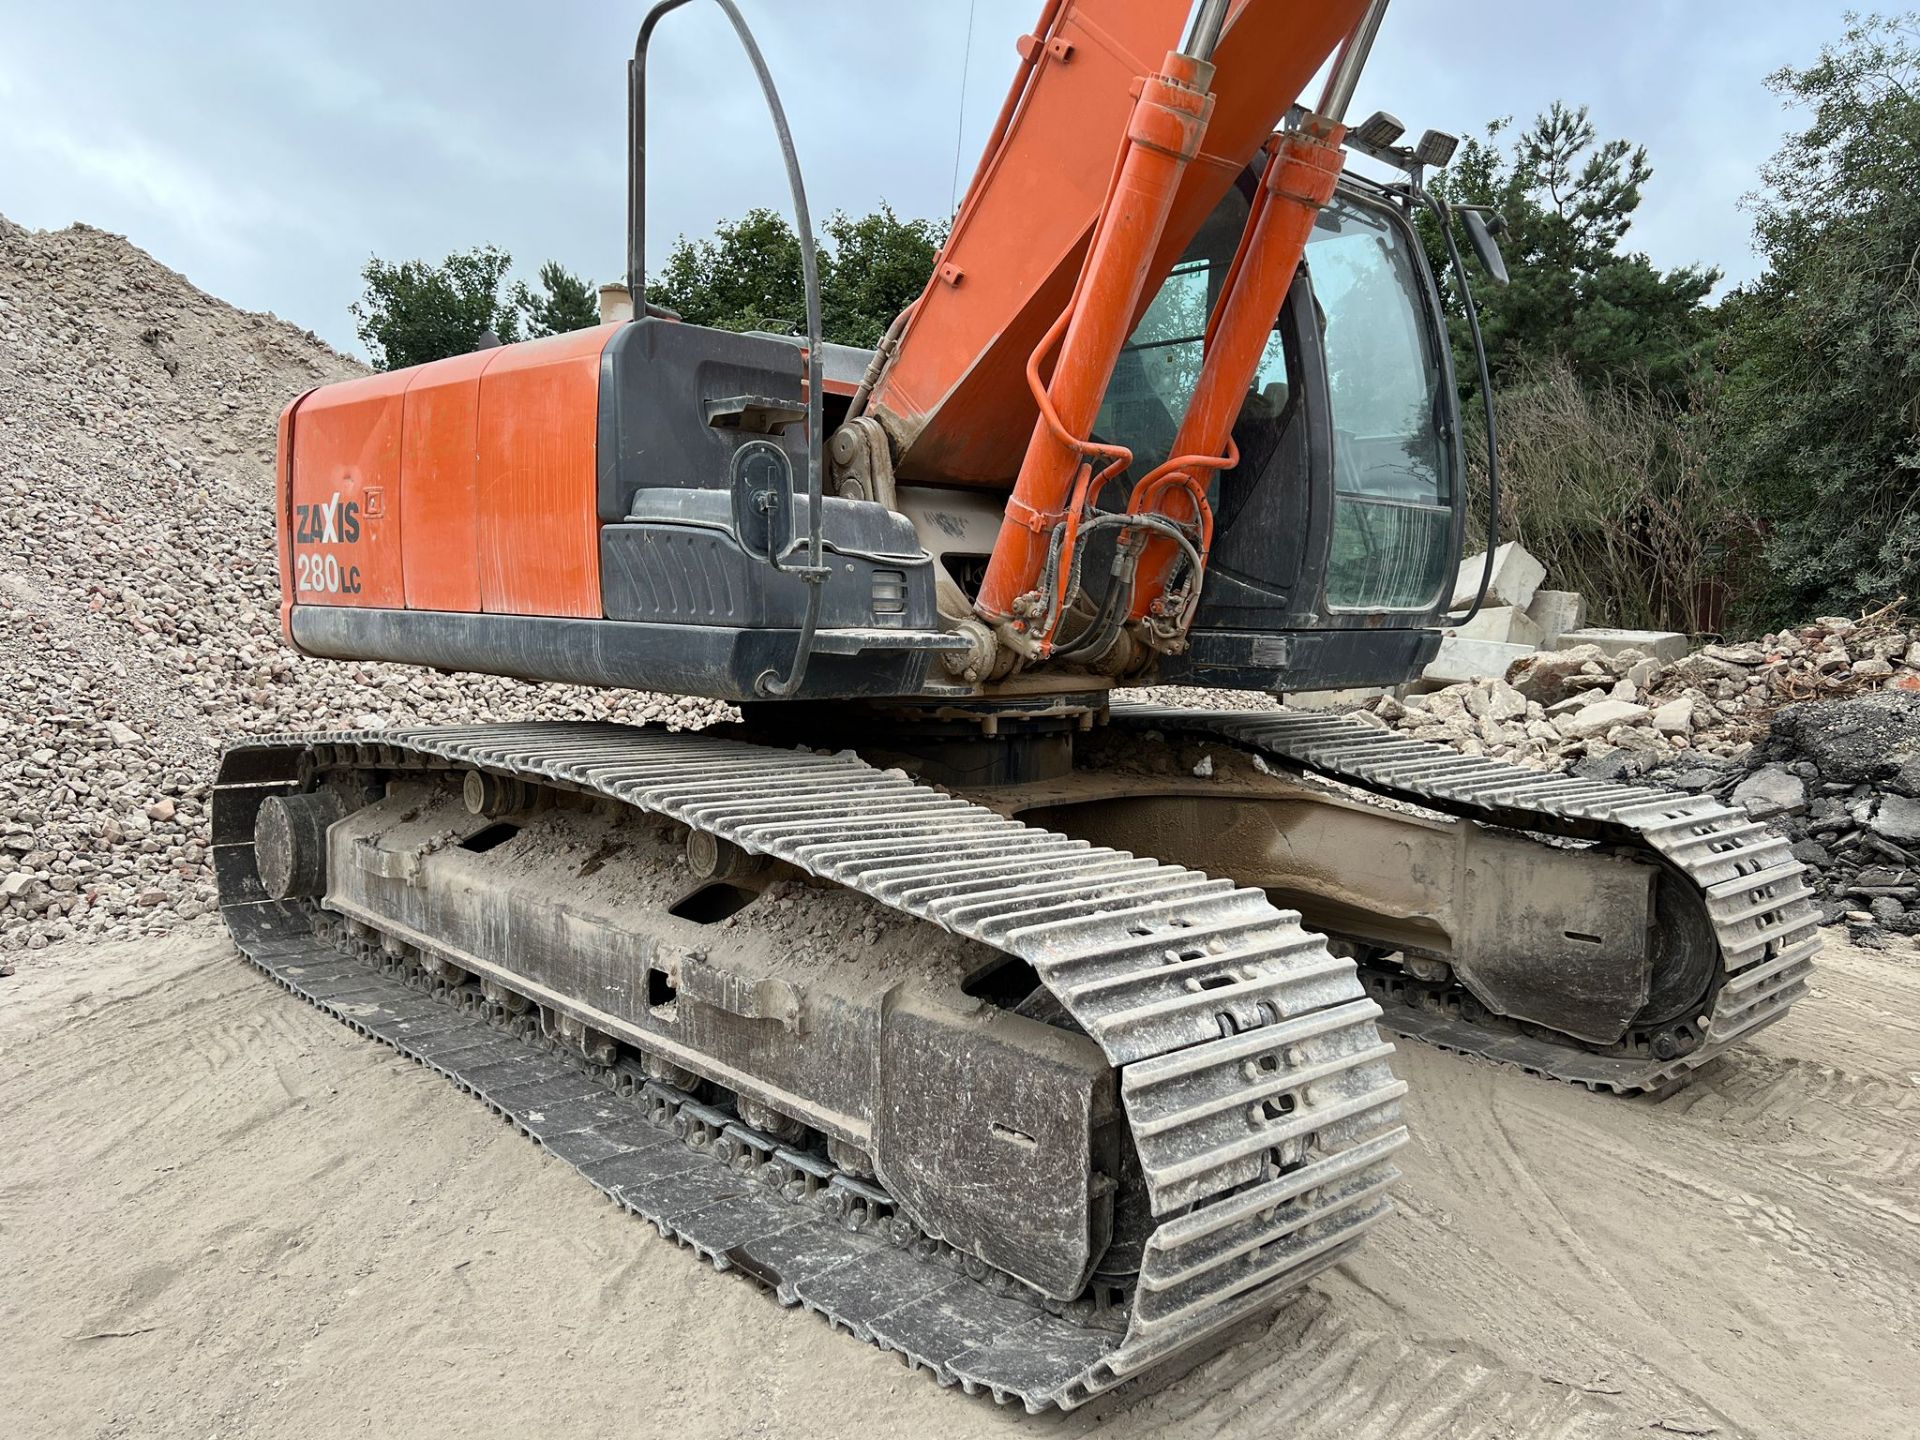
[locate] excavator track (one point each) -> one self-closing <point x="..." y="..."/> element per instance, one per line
<point x="1248" y="1063"/>
<point x="1754" y="891"/>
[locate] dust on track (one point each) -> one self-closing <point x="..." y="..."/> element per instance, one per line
<point x="225" y="1214"/>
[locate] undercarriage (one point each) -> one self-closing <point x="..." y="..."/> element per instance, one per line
<point x="930" y="1045"/>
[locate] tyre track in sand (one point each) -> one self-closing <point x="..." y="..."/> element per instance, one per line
<point x="273" y="1227"/>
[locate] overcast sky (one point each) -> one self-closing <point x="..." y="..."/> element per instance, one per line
<point x="267" y="150"/>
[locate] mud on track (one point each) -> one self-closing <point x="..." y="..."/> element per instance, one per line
<point x="222" y="1213"/>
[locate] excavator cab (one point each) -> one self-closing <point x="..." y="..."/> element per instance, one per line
<point x="1340" y="527"/>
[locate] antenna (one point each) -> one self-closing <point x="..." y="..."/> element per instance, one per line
<point x="960" y="124"/>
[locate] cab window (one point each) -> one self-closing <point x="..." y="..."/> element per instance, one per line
<point x="1393" y="515"/>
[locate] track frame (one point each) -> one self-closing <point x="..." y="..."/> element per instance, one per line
<point x="1254" y="1082"/>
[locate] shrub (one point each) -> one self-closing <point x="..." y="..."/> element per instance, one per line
<point x="1613" y="489"/>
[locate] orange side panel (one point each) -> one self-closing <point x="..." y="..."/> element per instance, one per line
<point x="539" y="531"/>
<point x="345" y="494"/>
<point x="439" y="516"/>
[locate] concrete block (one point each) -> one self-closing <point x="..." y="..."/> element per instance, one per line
<point x="1556" y="612"/>
<point x="1332" y="699"/>
<point x="1663" y="645"/>
<point x="1516" y="577"/>
<point x="1675" y="717"/>
<point x="1771" y="790"/>
<point x="1461" y="660"/>
<point x="1600" y="717"/>
<point x="1508" y="624"/>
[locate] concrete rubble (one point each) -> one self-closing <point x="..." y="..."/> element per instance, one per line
<point x="138" y="590"/>
<point x="1555" y="612"/>
<point x="1516" y="576"/>
<point x="1814" y="729"/>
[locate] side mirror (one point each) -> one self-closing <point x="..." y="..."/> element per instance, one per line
<point x="1485" y="248"/>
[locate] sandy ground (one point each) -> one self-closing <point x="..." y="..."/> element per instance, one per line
<point x="223" y="1214"/>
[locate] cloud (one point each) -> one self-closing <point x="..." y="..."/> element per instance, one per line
<point x="266" y="151"/>
<point x="95" y="156"/>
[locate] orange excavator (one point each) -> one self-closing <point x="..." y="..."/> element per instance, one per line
<point x="1030" y="1032"/>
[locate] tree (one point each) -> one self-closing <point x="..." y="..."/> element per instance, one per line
<point x="747" y="276"/>
<point x="414" y="312"/>
<point x="1822" y="391"/>
<point x="877" y="266"/>
<point x="564" y="302"/>
<point x="1568" y="199"/>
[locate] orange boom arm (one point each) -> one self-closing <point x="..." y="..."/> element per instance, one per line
<point x="954" y="395"/>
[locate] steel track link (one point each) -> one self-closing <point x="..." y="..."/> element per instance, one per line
<point x="1250" y="1068"/>
<point x="1753" y="889"/>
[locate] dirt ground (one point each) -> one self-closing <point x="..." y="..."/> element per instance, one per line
<point x="222" y="1214"/>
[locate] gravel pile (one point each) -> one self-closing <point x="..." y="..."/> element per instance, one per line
<point x="138" y="595"/>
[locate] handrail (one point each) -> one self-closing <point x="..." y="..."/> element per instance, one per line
<point x="814" y="573"/>
<point x="1444" y="214"/>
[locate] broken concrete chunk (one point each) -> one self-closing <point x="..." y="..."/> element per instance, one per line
<point x="1516" y="578"/>
<point x="1771" y="790"/>
<point x="1508" y="624"/>
<point x="1556" y="612"/>
<point x="1505" y="703"/>
<point x="1600" y="717"/>
<point x="1551" y="675"/>
<point x="1898" y="818"/>
<point x="1644" y="741"/>
<point x="1461" y="660"/>
<point x="1666" y="645"/>
<point x="1579" y="700"/>
<point x="1675" y="717"/>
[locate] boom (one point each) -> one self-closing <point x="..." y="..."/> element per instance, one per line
<point x="964" y="376"/>
<point x="953" y="394"/>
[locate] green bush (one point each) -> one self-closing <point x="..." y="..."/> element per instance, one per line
<point x="1614" y="489"/>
